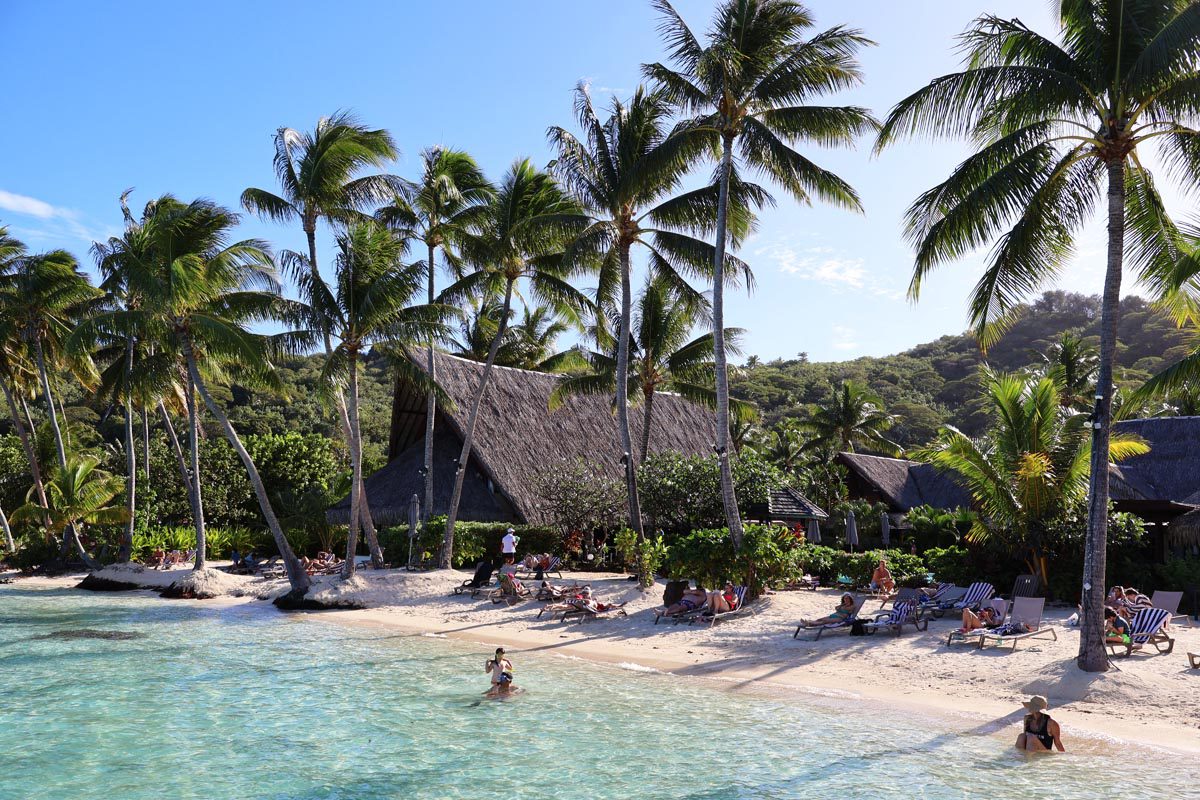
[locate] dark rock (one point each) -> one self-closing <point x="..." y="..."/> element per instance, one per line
<point x="296" y="601"/>
<point x="94" y="584"/>
<point x="87" y="633"/>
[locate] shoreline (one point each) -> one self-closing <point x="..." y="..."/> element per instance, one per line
<point x="756" y="653"/>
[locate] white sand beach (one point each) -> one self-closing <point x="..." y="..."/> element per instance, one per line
<point x="1149" y="698"/>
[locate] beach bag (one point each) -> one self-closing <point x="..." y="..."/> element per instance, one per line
<point x="858" y="628"/>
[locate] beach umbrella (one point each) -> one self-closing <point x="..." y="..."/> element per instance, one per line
<point x="851" y="530"/>
<point x="414" y="517"/>
<point x="814" y="531"/>
<point x="885" y="530"/>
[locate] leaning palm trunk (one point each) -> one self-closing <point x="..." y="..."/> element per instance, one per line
<point x="126" y="548"/>
<point x="1092" y="656"/>
<point x="297" y="576"/>
<point x="175" y="448"/>
<point x="460" y="469"/>
<point x="192" y="481"/>
<point x="146" y="442"/>
<point x="356" y="492"/>
<point x="8" y="537"/>
<point x="733" y="517"/>
<point x="70" y="535"/>
<point x="430" y="410"/>
<point x="622" y="398"/>
<point x="27" y="443"/>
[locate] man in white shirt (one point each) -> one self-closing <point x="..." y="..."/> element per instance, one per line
<point x="508" y="545"/>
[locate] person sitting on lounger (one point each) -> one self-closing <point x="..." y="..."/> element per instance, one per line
<point x="1116" y="628"/>
<point x="692" y="599"/>
<point x="1135" y="601"/>
<point x="159" y="559"/>
<point x="585" y="601"/>
<point x="987" y="618"/>
<point x="1040" y="733"/>
<point x="724" y="601"/>
<point x="881" y="579"/>
<point x="508" y="567"/>
<point x="843" y="613"/>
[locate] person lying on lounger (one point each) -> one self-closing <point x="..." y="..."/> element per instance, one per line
<point x="1040" y="733"/>
<point x="692" y="599"/>
<point x="881" y="579"/>
<point x="987" y="618"/>
<point x="843" y="612"/>
<point x="585" y="600"/>
<point x="723" y="601"/>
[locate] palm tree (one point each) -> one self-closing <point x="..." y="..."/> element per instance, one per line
<point x="369" y="303"/>
<point x="747" y="88"/>
<point x="534" y="339"/>
<point x="623" y="173"/>
<point x="1031" y="466"/>
<point x="853" y="416"/>
<point x="783" y="446"/>
<point x="316" y="172"/>
<point x="77" y="494"/>
<point x="520" y="238"/>
<point x="437" y="212"/>
<point x="662" y="358"/>
<point x="1058" y="126"/>
<point x="1072" y="362"/>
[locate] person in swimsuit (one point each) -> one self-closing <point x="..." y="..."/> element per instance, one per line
<point x="501" y="670"/>
<point x="723" y="601"/>
<point x="1040" y="734"/>
<point x="843" y="612"/>
<point x="881" y="579"/>
<point x="691" y="600"/>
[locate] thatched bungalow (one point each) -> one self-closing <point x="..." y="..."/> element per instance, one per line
<point x="901" y="485"/>
<point x="516" y="436"/>
<point x="787" y="505"/>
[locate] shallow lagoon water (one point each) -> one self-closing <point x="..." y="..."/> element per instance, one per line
<point x="243" y="702"/>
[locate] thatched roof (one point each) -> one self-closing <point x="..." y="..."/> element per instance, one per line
<point x="787" y="505"/>
<point x="1165" y="481"/>
<point x="516" y="436"/>
<point x="904" y="484"/>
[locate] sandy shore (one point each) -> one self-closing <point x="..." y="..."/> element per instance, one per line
<point x="1151" y="699"/>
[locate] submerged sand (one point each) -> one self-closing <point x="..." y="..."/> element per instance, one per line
<point x="1149" y="698"/>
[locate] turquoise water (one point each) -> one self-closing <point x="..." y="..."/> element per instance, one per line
<point x="244" y="702"/>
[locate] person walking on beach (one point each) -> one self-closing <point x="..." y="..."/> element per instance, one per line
<point x="1040" y="734"/>
<point x="501" y="670"/>
<point x="508" y="545"/>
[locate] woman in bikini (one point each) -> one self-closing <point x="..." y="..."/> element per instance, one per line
<point x="723" y="601"/>
<point x="843" y="612"/>
<point x="1040" y="734"/>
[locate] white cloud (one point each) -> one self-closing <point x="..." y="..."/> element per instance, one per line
<point x="819" y="264"/>
<point x="844" y="337"/>
<point x="31" y="206"/>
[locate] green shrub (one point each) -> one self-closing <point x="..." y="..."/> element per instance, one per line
<point x="32" y="551"/>
<point x="681" y="494"/>
<point x="950" y="564"/>
<point x="221" y="541"/>
<point x="769" y="555"/>
<point x="473" y="541"/>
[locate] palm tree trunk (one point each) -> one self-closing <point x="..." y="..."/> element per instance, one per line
<point x="622" y="397"/>
<point x="733" y="517"/>
<point x="460" y="469"/>
<point x="356" y="492"/>
<point x="296" y="573"/>
<point x="193" y="482"/>
<point x="8" y="537"/>
<point x="363" y="516"/>
<point x="1092" y="656"/>
<point x="126" y="549"/>
<point x="430" y="409"/>
<point x="183" y="468"/>
<point x="146" y="442"/>
<point x="27" y="443"/>
<point x="647" y="415"/>
<point x="58" y="440"/>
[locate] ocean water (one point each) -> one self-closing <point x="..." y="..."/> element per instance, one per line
<point x="200" y="701"/>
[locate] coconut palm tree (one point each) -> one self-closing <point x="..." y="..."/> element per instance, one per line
<point x="783" y="446"/>
<point x="1031" y="466"/>
<point x="1072" y="362"/>
<point x="316" y="172"/>
<point x="853" y="416"/>
<point x="1059" y="124"/>
<point x="624" y="172"/>
<point x="519" y="239"/>
<point x="369" y="303"/>
<point x="746" y="89"/>
<point x="437" y="211"/>
<point x="78" y="495"/>
<point x="662" y="357"/>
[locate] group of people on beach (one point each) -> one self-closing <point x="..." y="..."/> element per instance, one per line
<point x="717" y="602"/>
<point x="1120" y="606"/>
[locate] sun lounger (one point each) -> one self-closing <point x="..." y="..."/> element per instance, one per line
<point x="976" y="595"/>
<point x="1169" y="601"/>
<point x="740" y="607"/>
<point x="554" y="566"/>
<point x="900" y="596"/>
<point x="806" y="582"/>
<point x="509" y="591"/>
<point x="1194" y="660"/>
<point x="482" y="577"/>
<point x="903" y="613"/>
<point x="1026" y="615"/>
<point x="1000" y="605"/>
<point x="1147" y="627"/>
<point x="586" y="610"/>
<point x="1025" y="586"/>
<point x="681" y="616"/>
<point x="944" y="593"/>
<point x="832" y="626"/>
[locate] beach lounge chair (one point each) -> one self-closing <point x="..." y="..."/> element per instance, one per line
<point x="1025" y="622"/>
<point x="482" y="577"/>
<point x="943" y="592"/>
<point x="553" y="567"/>
<point x="1169" y="602"/>
<point x="510" y="590"/>
<point x="585" y="610"/>
<point x="810" y="582"/>
<point x="1000" y="605"/>
<point x="904" y="612"/>
<point x="899" y="596"/>
<point x="1146" y="627"/>
<point x="976" y="595"/>
<point x="740" y="607"/>
<point x="1194" y="660"/>
<point x="1025" y="586"/>
<point x="832" y="626"/>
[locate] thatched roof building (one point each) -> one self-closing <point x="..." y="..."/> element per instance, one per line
<point x="901" y="484"/>
<point x="516" y="436"/>
<point x="787" y="505"/>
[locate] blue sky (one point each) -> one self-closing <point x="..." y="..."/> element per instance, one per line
<point x="184" y="98"/>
